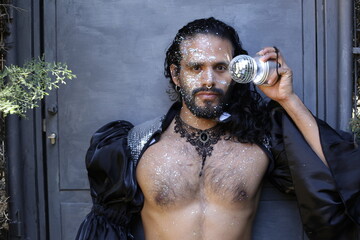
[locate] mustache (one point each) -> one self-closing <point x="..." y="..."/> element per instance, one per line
<point x="204" y="89"/>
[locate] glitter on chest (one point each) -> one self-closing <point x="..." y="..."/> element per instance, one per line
<point x="202" y="140"/>
<point x="172" y="174"/>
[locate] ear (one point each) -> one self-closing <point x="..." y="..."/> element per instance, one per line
<point x="175" y="74"/>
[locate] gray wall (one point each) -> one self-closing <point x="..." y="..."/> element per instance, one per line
<point x="117" y="49"/>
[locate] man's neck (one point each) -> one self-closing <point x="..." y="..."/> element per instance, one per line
<point x="200" y="123"/>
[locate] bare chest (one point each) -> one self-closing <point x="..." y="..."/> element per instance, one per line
<point x="168" y="173"/>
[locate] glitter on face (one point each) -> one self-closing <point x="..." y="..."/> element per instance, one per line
<point x="205" y="64"/>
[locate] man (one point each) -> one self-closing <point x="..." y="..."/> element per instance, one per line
<point x="196" y="173"/>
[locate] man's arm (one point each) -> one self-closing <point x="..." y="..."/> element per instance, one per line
<point x="281" y="90"/>
<point x="328" y="196"/>
<point x="305" y="122"/>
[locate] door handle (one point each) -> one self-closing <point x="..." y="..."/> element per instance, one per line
<point x="52" y="138"/>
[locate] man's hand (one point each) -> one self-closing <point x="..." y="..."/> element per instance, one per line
<point x="281" y="90"/>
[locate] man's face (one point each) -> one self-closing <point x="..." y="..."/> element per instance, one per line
<point x="204" y="77"/>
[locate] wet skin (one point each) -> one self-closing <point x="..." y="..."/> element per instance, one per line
<point x="221" y="204"/>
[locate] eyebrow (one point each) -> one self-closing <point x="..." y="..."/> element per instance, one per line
<point x="223" y="63"/>
<point x="193" y="64"/>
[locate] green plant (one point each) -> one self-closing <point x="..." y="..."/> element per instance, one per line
<point x="355" y="126"/>
<point x="355" y="120"/>
<point x="22" y="87"/>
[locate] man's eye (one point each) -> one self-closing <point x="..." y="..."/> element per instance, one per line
<point x="221" y="68"/>
<point x="196" y="68"/>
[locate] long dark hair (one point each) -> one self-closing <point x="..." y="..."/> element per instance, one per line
<point x="249" y="119"/>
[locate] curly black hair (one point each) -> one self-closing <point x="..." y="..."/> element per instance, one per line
<point x="250" y="122"/>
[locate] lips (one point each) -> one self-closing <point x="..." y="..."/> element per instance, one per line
<point x="207" y="95"/>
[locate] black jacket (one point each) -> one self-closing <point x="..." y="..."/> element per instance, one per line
<point x="328" y="198"/>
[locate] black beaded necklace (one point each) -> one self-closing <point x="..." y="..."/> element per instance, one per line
<point x="202" y="140"/>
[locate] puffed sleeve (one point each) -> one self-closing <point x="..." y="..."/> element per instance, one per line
<point x="343" y="157"/>
<point x="324" y="210"/>
<point x="113" y="185"/>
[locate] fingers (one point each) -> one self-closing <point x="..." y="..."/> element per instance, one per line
<point x="269" y="53"/>
<point x="284" y="72"/>
<point x="266" y="50"/>
<point x="271" y="56"/>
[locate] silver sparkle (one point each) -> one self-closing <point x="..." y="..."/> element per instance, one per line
<point x="140" y="135"/>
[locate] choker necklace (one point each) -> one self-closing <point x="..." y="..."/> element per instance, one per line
<point x="202" y="140"/>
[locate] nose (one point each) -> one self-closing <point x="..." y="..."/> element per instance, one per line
<point x="208" y="78"/>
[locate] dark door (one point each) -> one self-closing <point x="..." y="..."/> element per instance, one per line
<point x="117" y="49"/>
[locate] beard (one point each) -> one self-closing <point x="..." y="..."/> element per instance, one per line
<point x="209" y="110"/>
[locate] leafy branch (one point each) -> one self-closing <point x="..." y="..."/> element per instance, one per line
<point x="22" y="87"/>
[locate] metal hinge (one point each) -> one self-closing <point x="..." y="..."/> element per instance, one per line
<point x="44" y="125"/>
<point x="16" y="227"/>
<point x="356" y="50"/>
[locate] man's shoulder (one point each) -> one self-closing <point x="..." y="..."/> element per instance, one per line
<point x="146" y="128"/>
<point x="141" y="134"/>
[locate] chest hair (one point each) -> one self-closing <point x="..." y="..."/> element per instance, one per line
<point x="168" y="172"/>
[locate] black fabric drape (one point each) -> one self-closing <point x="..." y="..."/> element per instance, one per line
<point x="328" y="198"/>
<point x="112" y="183"/>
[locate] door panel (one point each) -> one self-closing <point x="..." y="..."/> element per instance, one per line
<point x="117" y="49"/>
